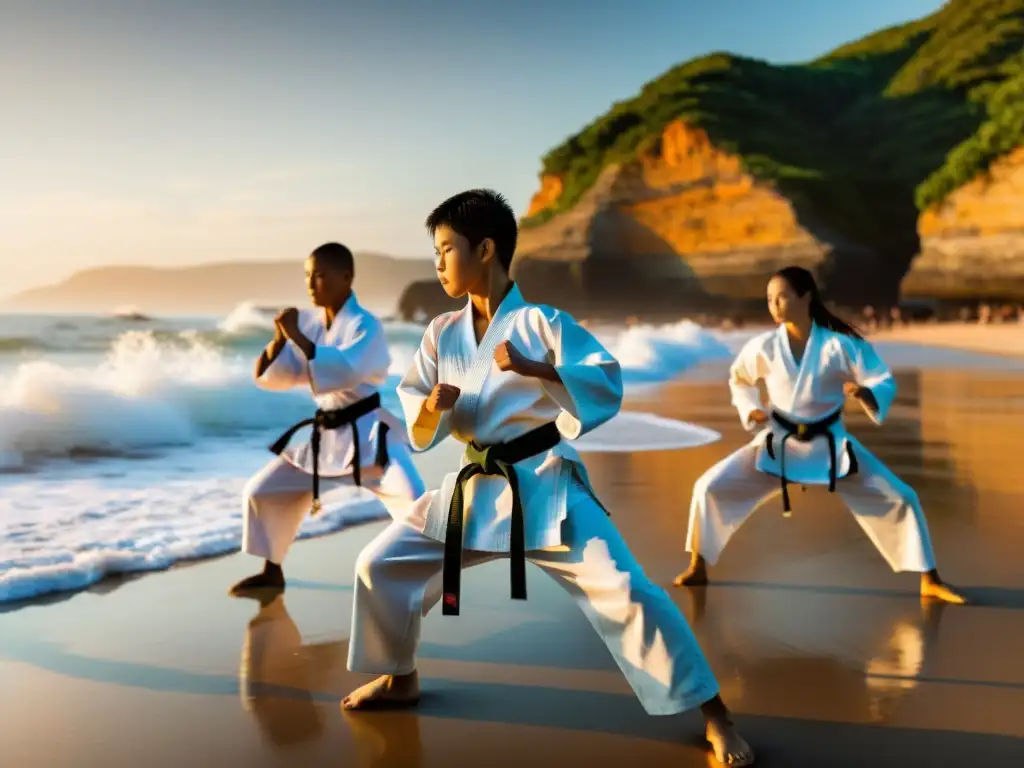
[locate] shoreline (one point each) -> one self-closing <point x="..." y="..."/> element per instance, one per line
<point x="1005" y="342"/>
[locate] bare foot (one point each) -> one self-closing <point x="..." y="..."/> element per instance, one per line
<point x="932" y="586"/>
<point x="729" y="747"/>
<point x="694" y="576"/>
<point x="387" y="691"/>
<point x="257" y="582"/>
<point x="272" y="578"/>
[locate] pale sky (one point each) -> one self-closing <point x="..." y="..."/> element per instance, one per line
<point x="171" y="133"/>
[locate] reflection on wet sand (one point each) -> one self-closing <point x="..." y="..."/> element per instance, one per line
<point x="274" y="658"/>
<point x="976" y="418"/>
<point x="390" y="740"/>
<point x="868" y="660"/>
<point x="273" y="655"/>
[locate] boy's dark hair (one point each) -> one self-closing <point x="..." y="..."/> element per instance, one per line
<point x="335" y="256"/>
<point x="478" y="214"/>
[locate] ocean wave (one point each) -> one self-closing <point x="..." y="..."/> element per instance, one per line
<point x="72" y="534"/>
<point x="183" y="392"/>
<point x="144" y="395"/>
<point x="153" y="390"/>
<point x="658" y="353"/>
<point x="247" y="318"/>
<point x="246" y="329"/>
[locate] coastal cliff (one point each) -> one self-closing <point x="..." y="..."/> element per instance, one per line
<point x="889" y="158"/>
<point x="683" y="221"/>
<point x="972" y="243"/>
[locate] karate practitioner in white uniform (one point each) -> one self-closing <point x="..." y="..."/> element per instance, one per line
<point x="809" y="365"/>
<point x="338" y="350"/>
<point x="516" y="378"/>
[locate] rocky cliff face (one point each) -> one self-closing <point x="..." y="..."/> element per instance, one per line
<point x="972" y="244"/>
<point x="723" y="168"/>
<point x="681" y="223"/>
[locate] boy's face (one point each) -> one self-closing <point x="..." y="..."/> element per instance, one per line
<point x="460" y="268"/>
<point x="328" y="286"/>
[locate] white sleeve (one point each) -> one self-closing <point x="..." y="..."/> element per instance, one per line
<point x="743" y="376"/>
<point x="425" y="429"/>
<point x="345" y="366"/>
<point x="287" y="370"/>
<point x="870" y="371"/>
<point x="590" y="387"/>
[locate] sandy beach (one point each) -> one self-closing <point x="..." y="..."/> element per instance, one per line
<point x="827" y="657"/>
<point x="970" y="337"/>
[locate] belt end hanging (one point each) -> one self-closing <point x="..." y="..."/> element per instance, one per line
<point x="787" y="509"/>
<point x="518" y="575"/>
<point x="450" y="604"/>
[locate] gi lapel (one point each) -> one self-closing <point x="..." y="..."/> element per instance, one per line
<point x="482" y="360"/>
<point x="809" y="359"/>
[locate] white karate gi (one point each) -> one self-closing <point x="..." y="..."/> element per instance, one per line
<point x="350" y="364"/>
<point x="885" y="507"/>
<point x="568" y="533"/>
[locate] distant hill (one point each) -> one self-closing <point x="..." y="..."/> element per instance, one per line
<point x="216" y="287"/>
<point x="905" y="143"/>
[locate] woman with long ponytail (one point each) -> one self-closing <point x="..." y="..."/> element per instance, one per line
<point x="803" y="284"/>
<point x="810" y="364"/>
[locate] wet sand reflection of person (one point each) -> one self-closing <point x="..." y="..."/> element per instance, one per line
<point x="271" y="655"/>
<point x="388" y="741"/>
<point x="863" y="672"/>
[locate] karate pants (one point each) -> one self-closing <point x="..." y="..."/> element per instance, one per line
<point x="886" y="508"/>
<point x="398" y="580"/>
<point x="278" y="497"/>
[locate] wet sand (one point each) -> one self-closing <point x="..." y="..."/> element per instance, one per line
<point x="826" y="656"/>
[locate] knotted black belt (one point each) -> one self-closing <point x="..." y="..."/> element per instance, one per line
<point x="805" y="433"/>
<point x="337" y="419"/>
<point x="493" y="460"/>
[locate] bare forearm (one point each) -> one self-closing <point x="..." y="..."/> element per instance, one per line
<point x="308" y="347"/>
<point x="538" y="370"/>
<point x="867" y="397"/>
<point x="299" y="339"/>
<point x="268" y="356"/>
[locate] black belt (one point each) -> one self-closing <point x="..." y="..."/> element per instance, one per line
<point x="337" y="419"/>
<point x="493" y="460"/>
<point x="805" y="433"/>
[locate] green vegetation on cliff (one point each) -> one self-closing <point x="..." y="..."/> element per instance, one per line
<point x="1000" y="133"/>
<point x="855" y="138"/>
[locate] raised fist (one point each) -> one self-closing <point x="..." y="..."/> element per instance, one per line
<point x="508" y="357"/>
<point x="442" y="398"/>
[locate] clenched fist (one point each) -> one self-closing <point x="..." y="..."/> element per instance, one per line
<point x="287" y="321"/>
<point x="442" y="398"/>
<point x="853" y="389"/>
<point x="509" y="358"/>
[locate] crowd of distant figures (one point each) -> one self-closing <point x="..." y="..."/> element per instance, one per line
<point x="870" y="319"/>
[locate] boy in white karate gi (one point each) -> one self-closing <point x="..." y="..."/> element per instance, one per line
<point x="809" y="364"/>
<point x="338" y="350"/>
<point x="511" y="380"/>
